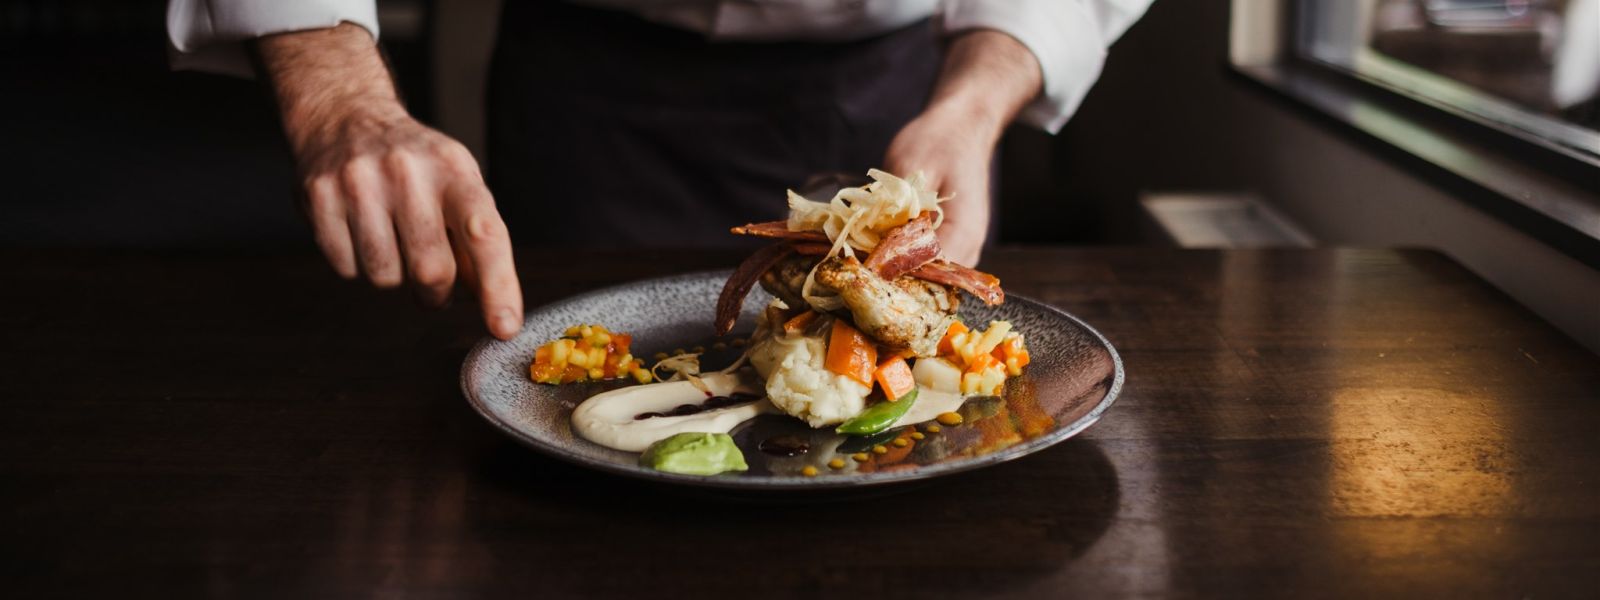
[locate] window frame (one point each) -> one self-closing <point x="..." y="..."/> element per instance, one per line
<point x="1540" y="185"/>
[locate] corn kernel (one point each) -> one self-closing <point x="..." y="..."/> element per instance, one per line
<point x="809" y="471"/>
<point x="949" y="418"/>
<point x="599" y="339"/>
<point x="900" y="442"/>
<point x="597" y="373"/>
<point x="917" y="435"/>
<point x="931" y="428"/>
<point x="641" y="376"/>
<point x="597" y="357"/>
<point x="622" y="363"/>
<point x="879" y="449"/>
<point x="585" y="331"/>
<point x="578" y="358"/>
<point x="837" y="463"/>
<point x="860" y="457"/>
<point x="571" y="331"/>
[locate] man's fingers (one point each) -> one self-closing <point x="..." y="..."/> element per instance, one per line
<point x="370" y="223"/>
<point x="476" y="227"/>
<point x="466" y="273"/>
<point x="420" y="222"/>
<point x="966" y="218"/>
<point x="326" y="210"/>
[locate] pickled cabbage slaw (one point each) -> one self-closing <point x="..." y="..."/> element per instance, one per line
<point x="858" y="218"/>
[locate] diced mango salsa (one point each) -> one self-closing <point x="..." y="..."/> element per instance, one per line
<point x="986" y="357"/>
<point x="587" y="353"/>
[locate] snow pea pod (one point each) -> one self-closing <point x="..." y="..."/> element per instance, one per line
<point x="878" y="417"/>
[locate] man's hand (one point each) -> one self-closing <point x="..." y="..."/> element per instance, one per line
<point x="388" y="197"/>
<point x="986" y="79"/>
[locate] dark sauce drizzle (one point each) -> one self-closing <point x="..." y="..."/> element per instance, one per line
<point x="785" y="445"/>
<point x="712" y="403"/>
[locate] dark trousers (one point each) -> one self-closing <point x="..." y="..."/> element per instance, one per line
<point x="605" y="129"/>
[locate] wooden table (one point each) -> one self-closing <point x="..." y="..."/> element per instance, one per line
<point x="1330" y="423"/>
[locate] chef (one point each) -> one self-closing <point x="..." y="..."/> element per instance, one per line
<point x="627" y="123"/>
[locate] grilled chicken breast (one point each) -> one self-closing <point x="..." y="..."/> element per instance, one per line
<point x="904" y="314"/>
<point x="785" y="280"/>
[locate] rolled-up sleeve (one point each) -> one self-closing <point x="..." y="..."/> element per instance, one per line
<point x="209" y="35"/>
<point x="1069" y="37"/>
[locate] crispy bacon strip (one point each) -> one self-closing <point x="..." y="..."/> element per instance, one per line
<point x="905" y="248"/>
<point x="780" y="230"/>
<point x="938" y="271"/>
<point x="743" y="279"/>
<point x="978" y="283"/>
<point x="811" y="248"/>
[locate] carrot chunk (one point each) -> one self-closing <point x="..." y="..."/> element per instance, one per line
<point x="799" y="321"/>
<point x="947" y="345"/>
<point x="851" y="354"/>
<point x="894" y="375"/>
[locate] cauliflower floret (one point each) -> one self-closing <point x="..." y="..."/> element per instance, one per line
<point x="799" y="384"/>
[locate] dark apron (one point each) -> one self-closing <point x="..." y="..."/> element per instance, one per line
<point x="607" y="130"/>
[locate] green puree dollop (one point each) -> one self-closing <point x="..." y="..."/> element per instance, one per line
<point x="694" y="454"/>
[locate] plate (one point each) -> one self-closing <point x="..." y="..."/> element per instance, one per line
<point x="1074" y="377"/>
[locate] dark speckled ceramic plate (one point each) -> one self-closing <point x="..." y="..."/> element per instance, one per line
<point x="1074" y="378"/>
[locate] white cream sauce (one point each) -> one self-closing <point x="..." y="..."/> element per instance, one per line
<point x="608" y="419"/>
<point x="930" y="403"/>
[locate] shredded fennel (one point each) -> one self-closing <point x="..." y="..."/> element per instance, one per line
<point x="683" y="366"/>
<point x="686" y="367"/>
<point x="858" y="218"/>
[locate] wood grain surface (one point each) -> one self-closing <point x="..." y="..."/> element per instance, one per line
<point x="1324" y="423"/>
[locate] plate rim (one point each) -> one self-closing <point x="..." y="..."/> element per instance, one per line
<point x="790" y="483"/>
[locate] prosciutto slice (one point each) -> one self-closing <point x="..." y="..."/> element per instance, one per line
<point x="984" y="286"/>
<point x="910" y="249"/>
<point x="905" y="248"/>
<point x="978" y="283"/>
<point x="731" y="300"/>
<point x="780" y="230"/>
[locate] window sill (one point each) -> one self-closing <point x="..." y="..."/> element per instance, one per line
<point x="1551" y="198"/>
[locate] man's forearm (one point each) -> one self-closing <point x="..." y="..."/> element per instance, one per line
<point x="388" y="198"/>
<point x="987" y="78"/>
<point x="326" y="76"/>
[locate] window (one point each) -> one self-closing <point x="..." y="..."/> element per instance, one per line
<point x="1529" y="67"/>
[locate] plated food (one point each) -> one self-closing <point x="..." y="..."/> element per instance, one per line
<point x="862" y="338"/>
<point x="774" y="377"/>
<point x="1072" y="380"/>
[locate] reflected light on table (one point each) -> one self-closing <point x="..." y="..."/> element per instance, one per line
<point x="1390" y="460"/>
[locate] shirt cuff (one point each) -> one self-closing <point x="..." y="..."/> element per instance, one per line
<point x="1064" y="35"/>
<point x="209" y="35"/>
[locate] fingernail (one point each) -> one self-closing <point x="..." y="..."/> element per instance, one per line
<point x="505" y="323"/>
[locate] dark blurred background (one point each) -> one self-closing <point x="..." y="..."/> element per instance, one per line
<point x="102" y="145"/>
<point x="107" y="146"/>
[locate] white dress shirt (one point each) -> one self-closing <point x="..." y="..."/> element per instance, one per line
<point x="1069" y="37"/>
